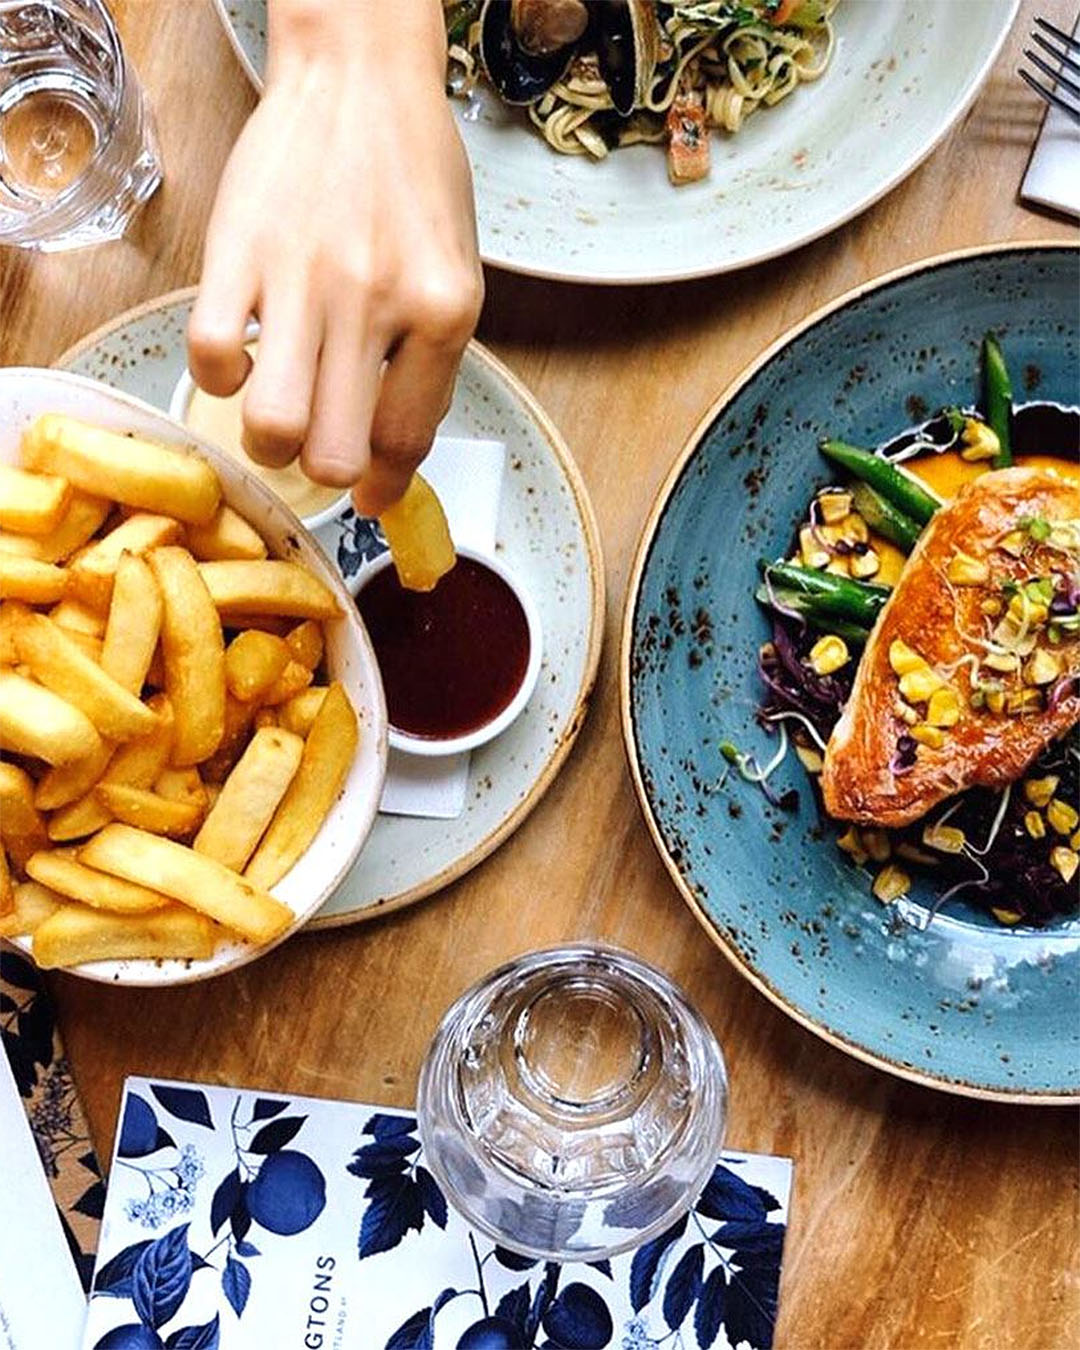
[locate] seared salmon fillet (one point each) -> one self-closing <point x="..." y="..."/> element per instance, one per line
<point x="971" y="670"/>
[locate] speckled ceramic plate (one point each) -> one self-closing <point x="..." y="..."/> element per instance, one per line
<point x="901" y="76"/>
<point x="964" y="1005"/>
<point x="546" y="533"/>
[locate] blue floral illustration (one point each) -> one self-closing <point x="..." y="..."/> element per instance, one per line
<point x="279" y="1189"/>
<point x="360" y="541"/>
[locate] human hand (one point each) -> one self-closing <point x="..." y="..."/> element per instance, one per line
<point x="344" y="221"/>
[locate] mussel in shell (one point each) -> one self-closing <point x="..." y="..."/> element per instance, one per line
<point x="528" y="45"/>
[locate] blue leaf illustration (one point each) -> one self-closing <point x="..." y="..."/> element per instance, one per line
<point x="646" y="1264"/>
<point x="162" y="1277"/>
<point x="514" y="1260"/>
<point x="604" y="1267"/>
<point x="114" y="1277"/>
<point x="92" y="1201"/>
<point x="767" y="1198"/>
<point x="443" y="1299"/>
<point x="727" y="1196"/>
<point x="35" y="1026"/>
<point x="413" y="1334"/>
<point x="277" y="1134"/>
<point x="683" y="1286"/>
<point x="395" y="1207"/>
<point x="247" y="1249"/>
<point x="384" y="1126"/>
<point x="224" y="1201"/>
<point x="17" y="970"/>
<point x="579" y="1319"/>
<point x="434" y="1201"/>
<point x="752" y="1242"/>
<point x="22" y="1065"/>
<point x="236" y="1282"/>
<point x="184" y="1103"/>
<point x="163" y="1139"/>
<point x="240" y="1218"/>
<point x="710" y="1309"/>
<point x="132" y="1336"/>
<point x="265" y="1108"/>
<point x="751" y="1306"/>
<point x="139" y="1131"/>
<point x="514" y="1306"/>
<point x="205" y="1337"/>
<point x="383" y="1158"/>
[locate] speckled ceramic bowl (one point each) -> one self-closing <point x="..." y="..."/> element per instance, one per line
<point x="902" y="74"/>
<point x="964" y="1005"/>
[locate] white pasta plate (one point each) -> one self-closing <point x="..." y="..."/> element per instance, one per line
<point x="901" y="75"/>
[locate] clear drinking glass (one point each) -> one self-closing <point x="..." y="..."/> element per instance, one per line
<point x="78" y="153"/>
<point x="572" y="1104"/>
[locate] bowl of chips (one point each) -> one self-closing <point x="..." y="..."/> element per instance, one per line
<point x="193" y="734"/>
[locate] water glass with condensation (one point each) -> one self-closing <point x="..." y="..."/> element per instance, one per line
<point x="572" y="1104"/>
<point x="78" y="152"/>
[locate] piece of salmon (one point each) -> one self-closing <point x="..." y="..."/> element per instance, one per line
<point x="1022" y="527"/>
<point x="688" y="146"/>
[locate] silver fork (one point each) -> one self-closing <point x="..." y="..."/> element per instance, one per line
<point x="1065" y="90"/>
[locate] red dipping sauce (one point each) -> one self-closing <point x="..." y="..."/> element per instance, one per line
<point x="451" y="659"/>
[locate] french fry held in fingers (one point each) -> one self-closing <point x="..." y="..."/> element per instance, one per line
<point x="134" y="624"/>
<point x="35" y="721"/>
<point x="62" y="872"/>
<point x="31" y="905"/>
<point x="227" y="536"/>
<point x="76" y="933"/>
<point x="149" y="810"/>
<point x="126" y="469"/>
<point x="83" y="518"/>
<point x="199" y="882"/>
<point x="328" y="752"/>
<point x="249" y="797"/>
<point x="193" y="649"/>
<point x="38" y="583"/>
<point x="273" y="586"/>
<point x="419" y="537"/>
<point x="31" y="503"/>
<point x="253" y="661"/>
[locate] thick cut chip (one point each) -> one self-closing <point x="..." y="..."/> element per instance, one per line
<point x="61" y="871"/>
<point x="202" y="883"/>
<point x="35" y="721"/>
<point x="238" y="720"/>
<point x="193" y="649"/>
<point x="273" y="587"/>
<point x="19" y="815"/>
<point x="38" y="583"/>
<point x="7" y="887"/>
<point x="76" y="617"/>
<point x="82" y="520"/>
<point x="183" y="785"/>
<point x="62" y="666"/>
<point x="32" y="904"/>
<point x="305" y="641"/>
<point x="228" y="536"/>
<point x="68" y="782"/>
<point x="292" y="681"/>
<point x="328" y="753"/>
<point x="75" y="933"/>
<point x="93" y="571"/>
<point x="299" y="712"/>
<point x="131" y="634"/>
<point x="419" y="537"/>
<point x="136" y="472"/>
<point x="31" y="503"/>
<point x="253" y="661"/>
<point x="249" y="797"/>
<point x="149" y="810"/>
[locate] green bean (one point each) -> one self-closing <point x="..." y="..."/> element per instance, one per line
<point x="884" y="518"/>
<point x="782" y="600"/>
<point x="831" y="596"/>
<point x="893" y="483"/>
<point x="997" y="397"/>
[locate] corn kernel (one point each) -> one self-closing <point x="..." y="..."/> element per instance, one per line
<point x="1023" y="701"/>
<point x="945" y="838"/>
<point x="1005" y="662"/>
<point x="1033" y="823"/>
<point x="811" y="552"/>
<point x="1074" y="841"/>
<point x="906" y="712"/>
<point x="943" y="710"/>
<point x="918" y="685"/>
<point x="995" y="700"/>
<point x="1038" y="791"/>
<point x="834" y="506"/>
<point x="838" y="566"/>
<point x="855" y="530"/>
<point x="965" y="570"/>
<point x="876" y="843"/>
<point x="891" y="883"/>
<point x="1064" y="861"/>
<point x="1008" y="917"/>
<point x="1013" y="543"/>
<point x="829" y="654"/>
<point x="902" y="658"/>
<point x="978" y="441"/>
<point x="992" y="607"/>
<point x="929" y="736"/>
<point x="851" y="842"/>
<point x="1062" y="817"/>
<point x="1043" y="668"/>
<point x="865" y="564"/>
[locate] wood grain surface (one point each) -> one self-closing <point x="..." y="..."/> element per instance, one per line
<point x="918" y="1220"/>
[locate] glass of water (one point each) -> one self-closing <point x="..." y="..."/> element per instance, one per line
<point x="572" y="1104"/>
<point x="78" y="153"/>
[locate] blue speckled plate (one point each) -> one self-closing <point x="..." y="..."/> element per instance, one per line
<point x="965" y="1005"/>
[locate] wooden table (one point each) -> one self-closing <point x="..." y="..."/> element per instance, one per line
<point x="918" y="1219"/>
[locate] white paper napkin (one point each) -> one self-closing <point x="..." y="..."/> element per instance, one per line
<point x="468" y="477"/>
<point x="1053" y="175"/>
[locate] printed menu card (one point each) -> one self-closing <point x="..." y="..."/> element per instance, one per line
<point x="239" y="1218"/>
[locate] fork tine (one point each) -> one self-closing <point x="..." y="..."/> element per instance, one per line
<point x="1055" y="53"/>
<point x="1048" y="96"/>
<point x="1054" y="75"/>
<point x="1070" y="42"/>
